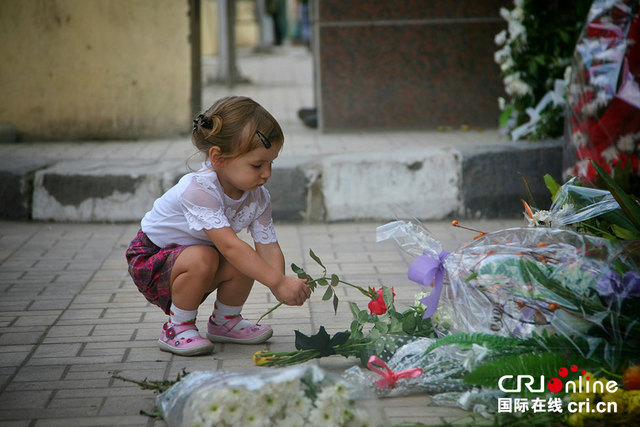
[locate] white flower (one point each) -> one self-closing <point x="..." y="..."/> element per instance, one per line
<point x="299" y="405"/>
<point x="335" y="396"/>
<point x="540" y="218"/>
<point x="502" y="103"/>
<point x="590" y="109"/>
<point x="582" y="167"/>
<point x="601" y="99"/>
<point x="517" y="31"/>
<point x="627" y="143"/>
<point x="579" y="139"/>
<point x="610" y="153"/>
<point x="514" y="85"/>
<point x="567" y="75"/>
<point x="507" y="65"/>
<point x="517" y="13"/>
<point x="253" y="418"/>
<point x="505" y="13"/>
<point x="500" y="38"/>
<point x="503" y="55"/>
<point x="269" y="405"/>
<point x="292" y="420"/>
<point x="323" y="417"/>
<point x="232" y="413"/>
<point x="360" y="418"/>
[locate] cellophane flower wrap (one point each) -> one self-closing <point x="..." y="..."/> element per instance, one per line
<point x="292" y="396"/>
<point x="603" y="118"/>
<point x="518" y="281"/>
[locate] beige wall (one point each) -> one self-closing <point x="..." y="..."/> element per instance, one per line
<point x="95" y="69"/>
<point x="247" y="31"/>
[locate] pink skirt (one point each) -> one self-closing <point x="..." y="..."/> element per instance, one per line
<point x="150" y="268"/>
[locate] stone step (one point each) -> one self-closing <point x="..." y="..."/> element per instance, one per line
<point x="430" y="183"/>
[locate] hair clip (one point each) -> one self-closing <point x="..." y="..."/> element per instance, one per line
<point x="265" y="141"/>
<point x="202" y="121"/>
<point x="205" y="122"/>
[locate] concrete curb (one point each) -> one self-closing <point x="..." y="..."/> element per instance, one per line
<point x="431" y="183"/>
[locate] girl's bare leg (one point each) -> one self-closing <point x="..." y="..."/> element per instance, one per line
<point x="233" y="286"/>
<point x="193" y="275"/>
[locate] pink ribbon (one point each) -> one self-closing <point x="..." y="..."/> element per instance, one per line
<point x="390" y="378"/>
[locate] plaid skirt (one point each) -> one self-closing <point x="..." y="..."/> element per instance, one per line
<point x="150" y="268"/>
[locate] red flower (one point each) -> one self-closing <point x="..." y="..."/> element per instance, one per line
<point x="631" y="378"/>
<point x="377" y="306"/>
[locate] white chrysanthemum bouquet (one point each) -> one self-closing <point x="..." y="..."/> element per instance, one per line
<point x="295" y="396"/>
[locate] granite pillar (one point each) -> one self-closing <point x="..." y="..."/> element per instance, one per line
<point x="413" y="64"/>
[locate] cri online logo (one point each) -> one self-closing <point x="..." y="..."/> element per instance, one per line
<point x="554" y="385"/>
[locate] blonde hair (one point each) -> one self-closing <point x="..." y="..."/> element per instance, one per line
<point x="237" y="125"/>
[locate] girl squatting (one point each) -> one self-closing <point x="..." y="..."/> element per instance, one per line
<point x="187" y="245"/>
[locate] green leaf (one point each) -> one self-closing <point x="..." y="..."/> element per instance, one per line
<point x="335" y="302"/>
<point x="363" y="316"/>
<point x="297" y="269"/>
<point x="505" y="116"/>
<point x="322" y="281"/>
<point x="623" y="233"/>
<point x="471" y="277"/>
<point x="382" y="327"/>
<point x="552" y="185"/>
<point x="316" y="259"/>
<point x="466" y="340"/>
<point x="356" y="329"/>
<point x="387" y="296"/>
<point x="626" y="202"/>
<point x="409" y="323"/>
<point x="335" y="280"/>
<point x="355" y="310"/>
<point x="328" y="294"/>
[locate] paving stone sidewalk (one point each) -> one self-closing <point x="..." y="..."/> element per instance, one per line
<point x="70" y="317"/>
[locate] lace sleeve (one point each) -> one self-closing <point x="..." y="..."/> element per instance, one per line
<point x="202" y="208"/>
<point x="262" y="229"/>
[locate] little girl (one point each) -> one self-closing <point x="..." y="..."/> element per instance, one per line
<point x="187" y="246"/>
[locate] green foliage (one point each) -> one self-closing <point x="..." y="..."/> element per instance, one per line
<point x="534" y="364"/>
<point x="465" y="340"/>
<point x="537" y="47"/>
<point x="330" y="282"/>
<point x="628" y="203"/>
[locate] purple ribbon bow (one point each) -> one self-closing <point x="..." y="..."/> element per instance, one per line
<point x="424" y="270"/>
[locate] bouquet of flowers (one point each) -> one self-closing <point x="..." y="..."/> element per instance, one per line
<point x="380" y="329"/>
<point x="521" y="281"/>
<point x="603" y="119"/>
<point x="295" y="396"/>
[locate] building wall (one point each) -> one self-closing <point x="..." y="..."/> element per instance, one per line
<point x="407" y="64"/>
<point x="99" y="69"/>
<point x="247" y="31"/>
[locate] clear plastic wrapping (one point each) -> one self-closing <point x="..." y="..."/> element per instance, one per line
<point x="298" y="395"/>
<point x="603" y="101"/>
<point x="574" y="203"/>
<point x="442" y="369"/>
<point x="518" y="281"/>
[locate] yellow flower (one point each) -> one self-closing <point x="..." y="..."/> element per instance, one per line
<point x="260" y="357"/>
<point x="575" y="420"/>
<point x="633" y="401"/>
<point x="618" y="397"/>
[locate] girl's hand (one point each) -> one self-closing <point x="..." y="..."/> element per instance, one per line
<point x="292" y="291"/>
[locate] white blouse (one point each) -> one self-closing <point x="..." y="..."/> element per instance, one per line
<point x="197" y="203"/>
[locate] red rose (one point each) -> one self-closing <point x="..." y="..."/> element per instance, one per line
<point x="377" y="306"/>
